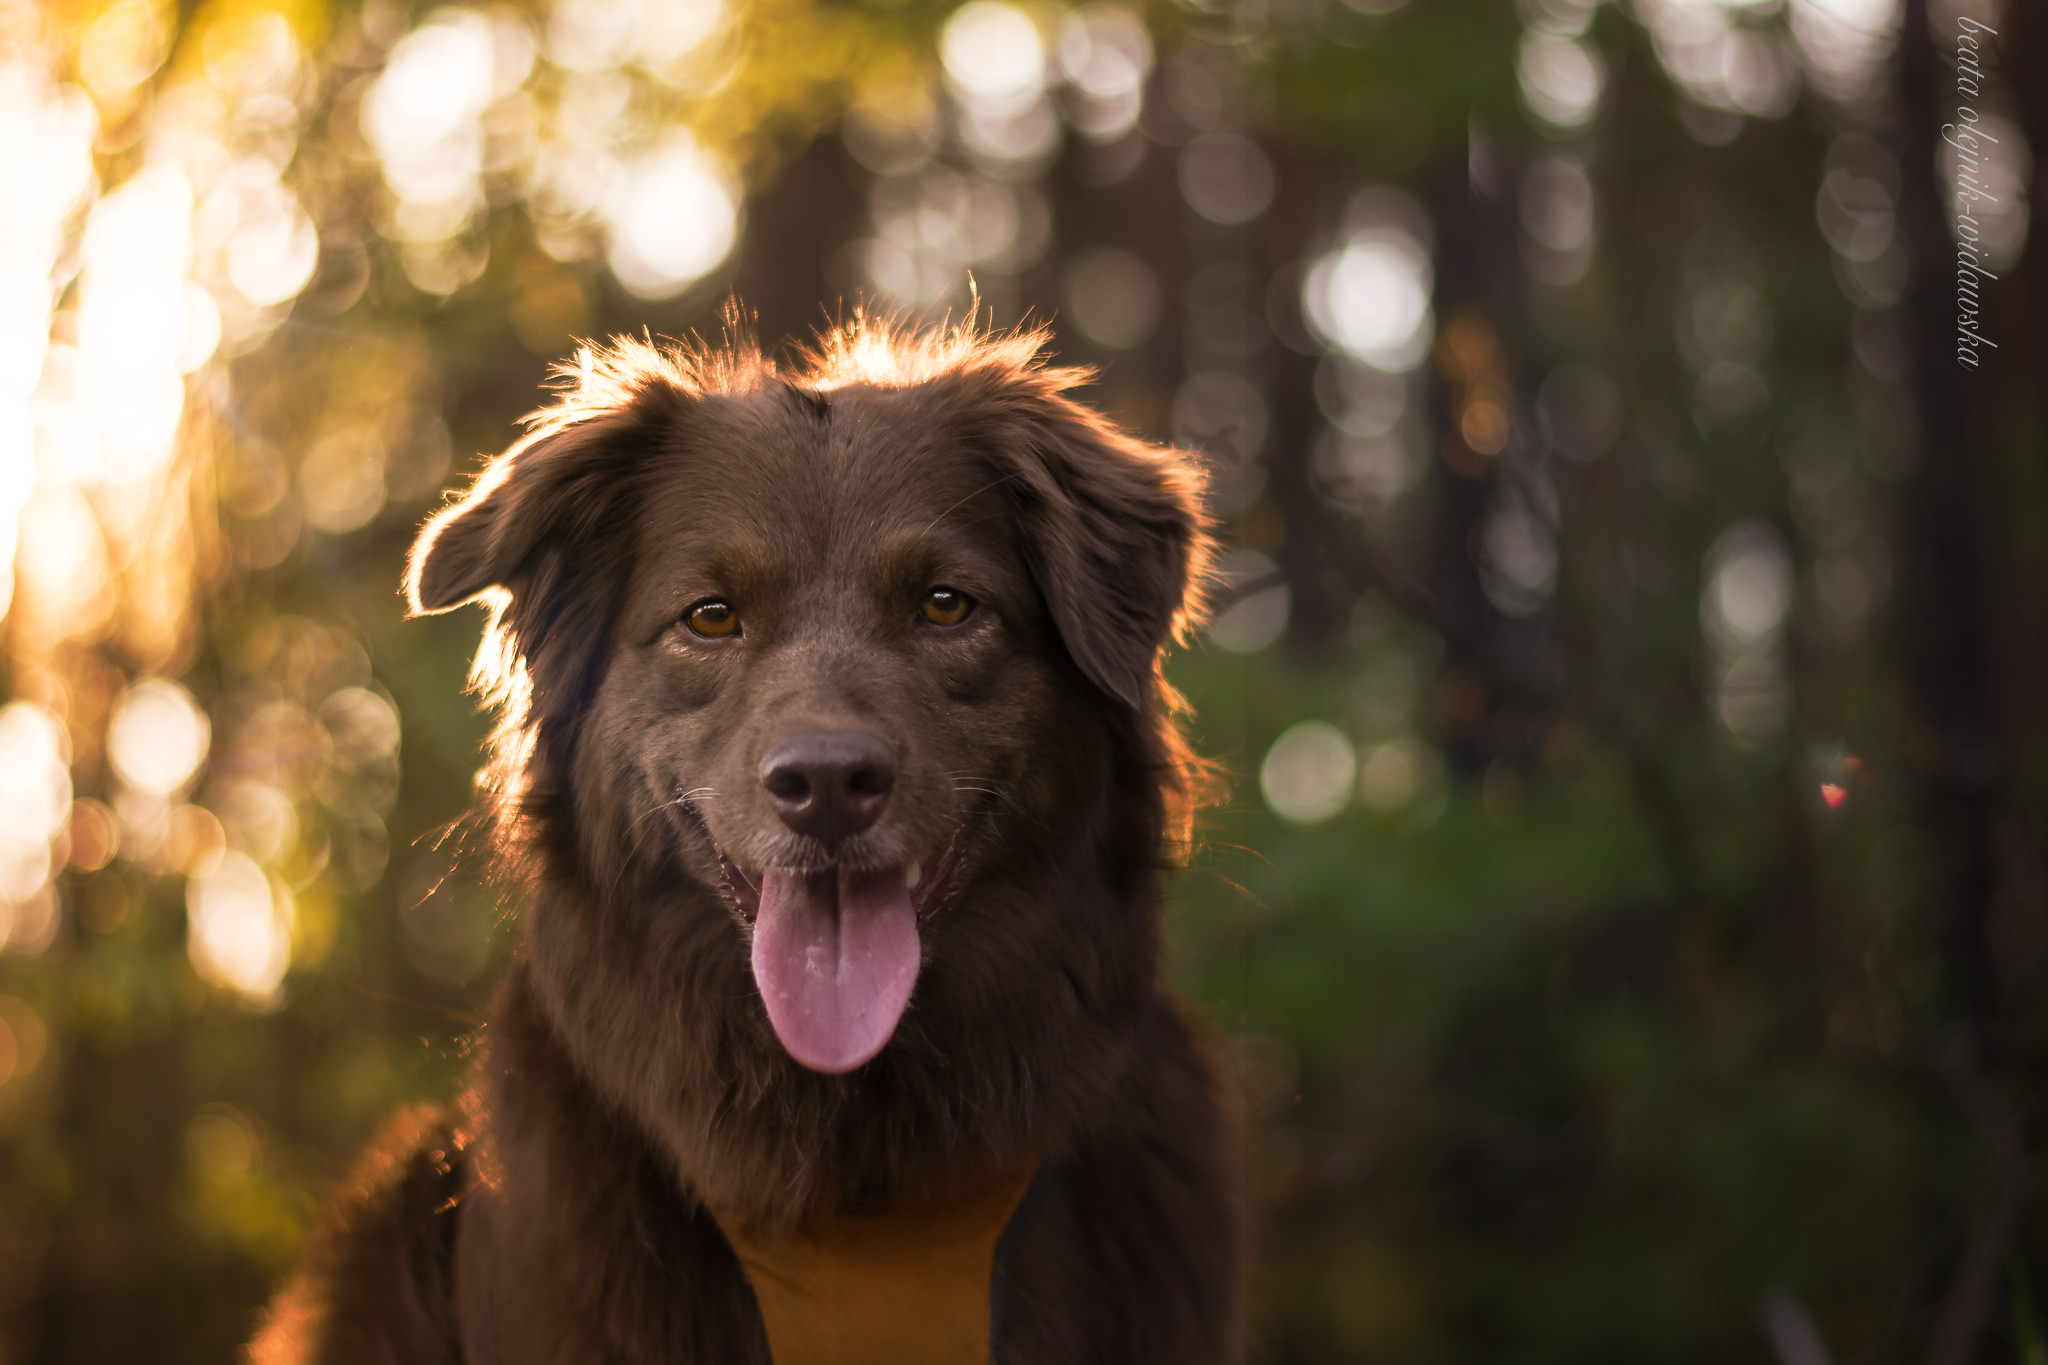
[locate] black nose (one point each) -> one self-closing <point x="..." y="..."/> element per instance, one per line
<point x="829" y="784"/>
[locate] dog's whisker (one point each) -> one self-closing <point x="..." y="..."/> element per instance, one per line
<point x="688" y="798"/>
<point x="969" y="498"/>
<point x="963" y="782"/>
<point x="988" y="786"/>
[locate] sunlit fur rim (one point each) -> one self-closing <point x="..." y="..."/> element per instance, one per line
<point x="883" y="351"/>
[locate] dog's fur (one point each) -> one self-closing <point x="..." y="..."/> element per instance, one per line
<point x="629" y="1075"/>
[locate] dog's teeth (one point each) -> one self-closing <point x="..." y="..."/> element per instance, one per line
<point x="913" y="877"/>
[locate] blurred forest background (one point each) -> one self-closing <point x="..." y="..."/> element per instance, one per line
<point x="1629" y="923"/>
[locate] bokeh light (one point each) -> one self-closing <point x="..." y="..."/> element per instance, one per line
<point x="1561" y="79"/>
<point x="1309" y="772"/>
<point x="158" y="737"/>
<point x="1226" y="178"/>
<point x="660" y="35"/>
<point x="423" y="115"/>
<point x="35" y="801"/>
<point x="341" y="480"/>
<point x="672" y="218"/>
<point x="1723" y="59"/>
<point x="1989" y="179"/>
<point x="123" y="46"/>
<point x="1110" y="295"/>
<point x="993" y="55"/>
<point x="240" y="922"/>
<point x="1258" y="614"/>
<point x="1398" y="774"/>
<point x="1371" y="298"/>
<point x="1105" y="54"/>
<point x="1558" y="219"/>
<point x="1374" y="449"/>
<point x="1222" y="414"/>
<point x="1844" y="42"/>
<point x="1749" y="587"/>
<point x="1517" y="557"/>
<point x="45" y="161"/>
<point x="1744" y="603"/>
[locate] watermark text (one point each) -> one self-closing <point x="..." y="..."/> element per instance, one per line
<point x="1972" y="145"/>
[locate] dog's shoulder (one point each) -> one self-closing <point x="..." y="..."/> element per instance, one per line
<point x="1130" y="1246"/>
<point x="377" y="1282"/>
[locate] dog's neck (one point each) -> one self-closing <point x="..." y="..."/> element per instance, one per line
<point x="746" y="1127"/>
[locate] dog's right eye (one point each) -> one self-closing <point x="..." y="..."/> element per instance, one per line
<point x="945" y="606"/>
<point x="714" y="620"/>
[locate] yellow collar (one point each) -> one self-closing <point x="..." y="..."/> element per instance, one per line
<point x="906" y="1282"/>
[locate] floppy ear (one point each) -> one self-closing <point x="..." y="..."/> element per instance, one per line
<point x="555" y="486"/>
<point x="1115" y="535"/>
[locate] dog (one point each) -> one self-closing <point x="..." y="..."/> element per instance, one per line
<point x="835" y="770"/>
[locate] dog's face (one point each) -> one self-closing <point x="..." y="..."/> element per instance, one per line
<point x="831" y="654"/>
<point x="817" y="648"/>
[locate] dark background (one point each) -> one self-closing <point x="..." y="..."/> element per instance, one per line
<point x="1627" y="921"/>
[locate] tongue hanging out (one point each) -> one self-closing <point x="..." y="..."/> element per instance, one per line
<point x="835" y="956"/>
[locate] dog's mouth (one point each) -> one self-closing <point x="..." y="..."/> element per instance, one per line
<point x="933" y="881"/>
<point x="836" y="950"/>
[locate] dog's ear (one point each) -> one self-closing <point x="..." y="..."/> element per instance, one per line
<point x="1116" y="537"/>
<point x="556" y="486"/>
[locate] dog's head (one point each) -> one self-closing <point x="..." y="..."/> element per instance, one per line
<point x="820" y="639"/>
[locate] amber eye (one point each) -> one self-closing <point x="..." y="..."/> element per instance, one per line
<point x="946" y="606"/>
<point x="714" y="619"/>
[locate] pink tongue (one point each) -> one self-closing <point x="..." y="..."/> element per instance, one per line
<point x="835" y="959"/>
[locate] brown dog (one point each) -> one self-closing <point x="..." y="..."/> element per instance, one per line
<point x="836" y="766"/>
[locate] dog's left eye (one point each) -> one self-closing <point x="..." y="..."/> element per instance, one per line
<point x="946" y="606"/>
<point x="713" y="619"/>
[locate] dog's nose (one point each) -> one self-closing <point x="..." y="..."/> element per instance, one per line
<point x="829" y="784"/>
